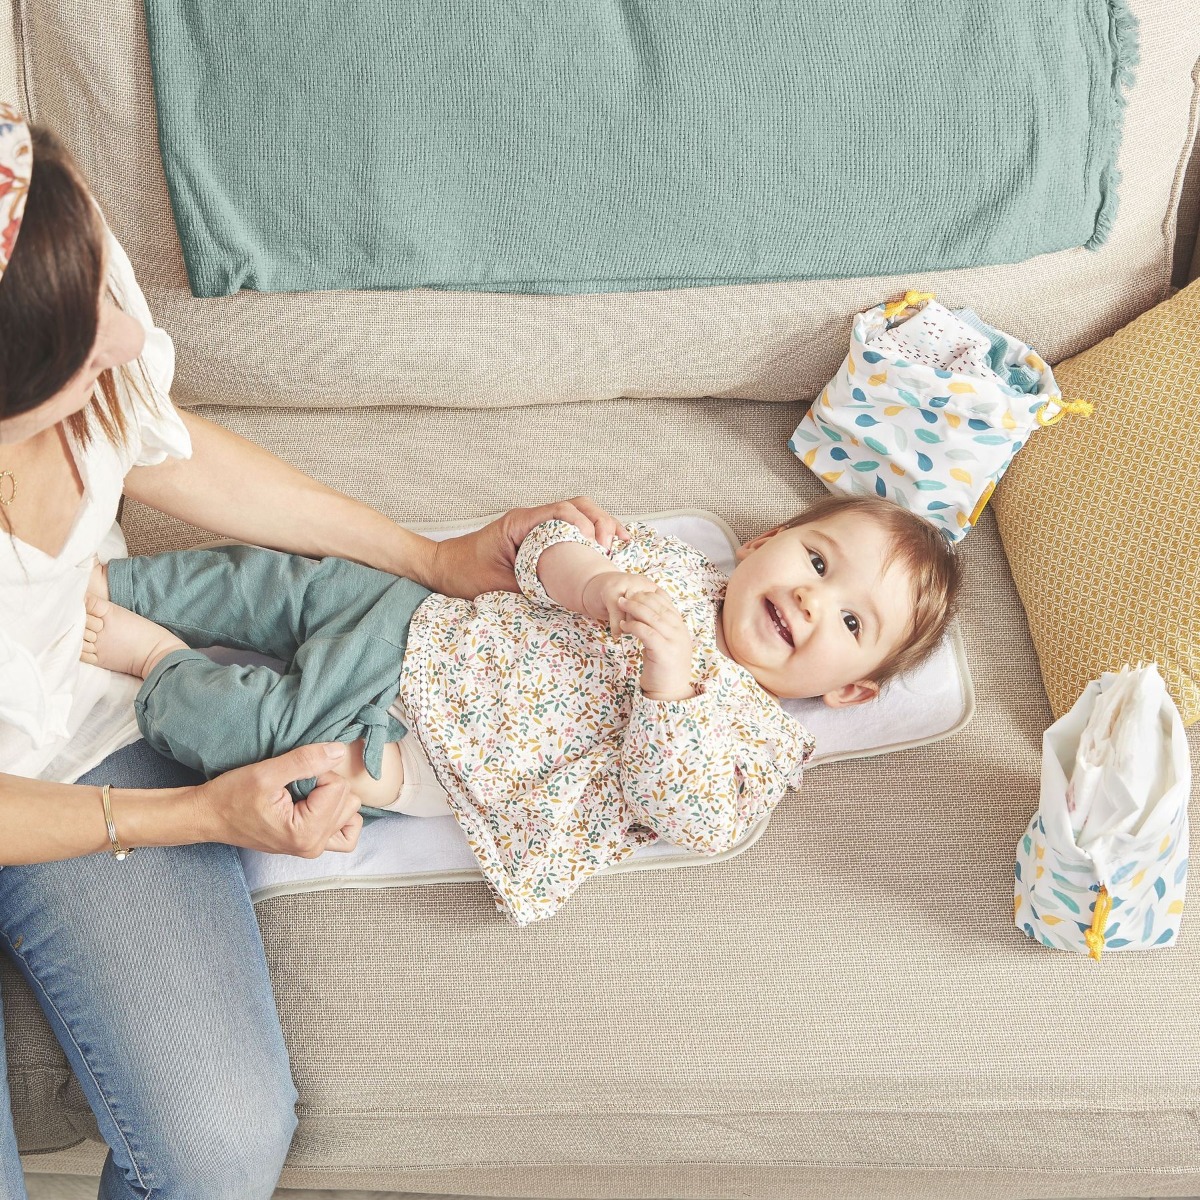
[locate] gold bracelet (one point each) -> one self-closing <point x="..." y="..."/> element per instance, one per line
<point x="119" y="852"/>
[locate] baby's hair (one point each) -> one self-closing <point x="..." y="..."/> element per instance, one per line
<point x="933" y="566"/>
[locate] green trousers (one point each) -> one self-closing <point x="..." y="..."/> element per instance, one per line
<point x="340" y="628"/>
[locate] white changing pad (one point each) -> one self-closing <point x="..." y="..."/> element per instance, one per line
<point x="921" y="706"/>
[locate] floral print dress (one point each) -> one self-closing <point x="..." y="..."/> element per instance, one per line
<point x="555" y="763"/>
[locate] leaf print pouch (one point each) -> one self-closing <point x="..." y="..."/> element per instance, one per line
<point x="1103" y="863"/>
<point x="928" y="409"/>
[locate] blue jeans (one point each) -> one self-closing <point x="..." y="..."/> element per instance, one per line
<point x="152" y="975"/>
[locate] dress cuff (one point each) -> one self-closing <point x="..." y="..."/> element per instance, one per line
<point x="542" y="537"/>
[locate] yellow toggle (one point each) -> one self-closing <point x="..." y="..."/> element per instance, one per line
<point x="979" y="507"/>
<point x="1083" y="408"/>
<point x="1095" y="936"/>
<point x="895" y="307"/>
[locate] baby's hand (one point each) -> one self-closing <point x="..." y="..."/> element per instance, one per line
<point x="632" y="604"/>
<point x="602" y="594"/>
<point x="667" y="660"/>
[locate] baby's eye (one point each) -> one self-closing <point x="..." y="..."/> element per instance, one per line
<point x="852" y="623"/>
<point x="817" y="561"/>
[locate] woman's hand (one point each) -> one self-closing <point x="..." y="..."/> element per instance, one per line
<point x="482" y="561"/>
<point x="653" y="619"/>
<point x="251" y="807"/>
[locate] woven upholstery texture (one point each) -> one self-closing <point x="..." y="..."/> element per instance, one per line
<point x="1100" y="515"/>
<point x="88" y="77"/>
<point x="849" y="992"/>
<point x="843" y="1010"/>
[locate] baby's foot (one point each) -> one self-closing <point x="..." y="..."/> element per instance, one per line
<point x="120" y="640"/>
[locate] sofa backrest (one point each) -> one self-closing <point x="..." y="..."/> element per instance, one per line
<point x="90" y="81"/>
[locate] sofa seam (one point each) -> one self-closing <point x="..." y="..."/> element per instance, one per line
<point x="24" y="71"/>
<point x="823" y="1110"/>
<point x="1082" y="1171"/>
<point x="1190" y="147"/>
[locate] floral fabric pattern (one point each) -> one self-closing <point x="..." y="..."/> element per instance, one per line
<point x="555" y="763"/>
<point x="16" y="168"/>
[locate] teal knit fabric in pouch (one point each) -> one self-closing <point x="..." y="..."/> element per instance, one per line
<point x="572" y="146"/>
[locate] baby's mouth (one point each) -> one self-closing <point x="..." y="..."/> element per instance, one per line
<point x="773" y="613"/>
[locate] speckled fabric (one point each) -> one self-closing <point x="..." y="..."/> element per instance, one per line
<point x="1100" y="516"/>
<point x="556" y="762"/>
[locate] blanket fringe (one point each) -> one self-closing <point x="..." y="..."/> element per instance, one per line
<point x="1123" y="39"/>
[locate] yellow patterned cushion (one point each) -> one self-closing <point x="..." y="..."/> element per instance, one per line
<point x="1100" y="515"/>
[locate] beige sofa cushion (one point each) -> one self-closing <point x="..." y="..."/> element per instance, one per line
<point x="847" y="1000"/>
<point x="1100" y="515"/>
<point x="88" y="77"/>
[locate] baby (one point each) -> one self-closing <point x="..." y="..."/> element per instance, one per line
<point x="621" y="696"/>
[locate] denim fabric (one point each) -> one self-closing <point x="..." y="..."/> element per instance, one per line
<point x="152" y="975"/>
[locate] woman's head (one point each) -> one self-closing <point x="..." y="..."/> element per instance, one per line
<point x="840" y="599"/>
<point x="60" y="332"/>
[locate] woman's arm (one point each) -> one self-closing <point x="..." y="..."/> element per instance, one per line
<point x="78" y="825"/>
<point x="239" y="490"/>
<point x="247" y="807"/>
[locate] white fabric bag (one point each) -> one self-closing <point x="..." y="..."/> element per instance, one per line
<point x="1103" y="863"/>
<point x="928" y="409"/>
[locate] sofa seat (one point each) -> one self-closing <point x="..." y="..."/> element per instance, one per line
<point x="844" y="1009"/>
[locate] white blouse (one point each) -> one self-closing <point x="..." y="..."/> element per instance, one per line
<point x="60" y="717"/>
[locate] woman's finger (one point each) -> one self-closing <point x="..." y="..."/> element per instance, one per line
<point x="345" y="839"/>
<point x="604" y="525"/>
<point x="567" y="510"/>
<point x="300" y="763"/>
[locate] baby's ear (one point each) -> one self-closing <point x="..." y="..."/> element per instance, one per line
<point x="852" y="693"/>
<point x="753" y="544"/>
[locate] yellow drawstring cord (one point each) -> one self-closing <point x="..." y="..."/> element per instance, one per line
<point x="895" y="307"/>
<point x="1095" y="936"/>
<point x="1083" y="408"/>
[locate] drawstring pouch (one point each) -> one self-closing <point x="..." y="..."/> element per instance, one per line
<point x="927" y="410"/>
<point x="1103" y="863"/>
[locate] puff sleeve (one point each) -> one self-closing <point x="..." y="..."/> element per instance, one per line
<point x="542" y="537"/>
<point x="699" y="775"/>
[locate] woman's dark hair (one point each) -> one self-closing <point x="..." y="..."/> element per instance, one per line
<point x="50" y="294"/>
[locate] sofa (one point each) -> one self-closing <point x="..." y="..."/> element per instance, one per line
<point x="845" y="1009"/>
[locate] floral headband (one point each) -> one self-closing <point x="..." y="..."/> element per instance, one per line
<point x="16" y="168"/>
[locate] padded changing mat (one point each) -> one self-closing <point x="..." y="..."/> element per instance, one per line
<point x="924" y="705"/>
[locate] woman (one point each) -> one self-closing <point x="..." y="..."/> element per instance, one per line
<point x="148" y="964"/>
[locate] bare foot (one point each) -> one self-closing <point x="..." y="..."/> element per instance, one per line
<point x="120" y="640"/>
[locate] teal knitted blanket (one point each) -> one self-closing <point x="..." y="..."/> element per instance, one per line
<point x="567" y="146"/>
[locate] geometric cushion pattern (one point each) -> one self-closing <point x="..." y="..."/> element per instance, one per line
<point x="1100" y="515"/>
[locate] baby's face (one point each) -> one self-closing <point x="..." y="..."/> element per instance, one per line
<point x="844" y="614"/>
